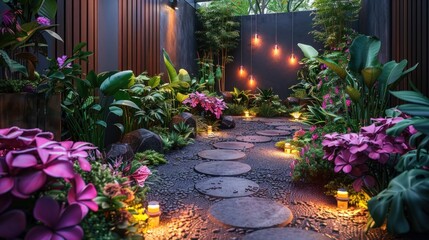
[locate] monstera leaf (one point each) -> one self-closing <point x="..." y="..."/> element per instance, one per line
<point x="412" y="160"/>
<point x="404" y="204"/>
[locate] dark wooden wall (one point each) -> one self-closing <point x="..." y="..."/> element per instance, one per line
<point x="410" y="39"/>
<point x="78" y="22"/>
<point x="139" y="36"/>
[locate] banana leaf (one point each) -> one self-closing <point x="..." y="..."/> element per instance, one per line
<point x="115" y="82"/>
<point x="13" y="65"/>
<point x="172" y="74"/>
<point x="364" y="53"/>
<point x="411" y="96"/>
<point x="404" y="203"/>
<point x="309" y="51"/>
<point x="341" y="72"/>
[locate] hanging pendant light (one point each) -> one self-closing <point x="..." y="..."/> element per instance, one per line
<point x="256" y="37"/>
<point x="292" y="59"/>
<point x="251" y="77"/>
<point x="241" y="70"/>
<point x="276" y="49"/>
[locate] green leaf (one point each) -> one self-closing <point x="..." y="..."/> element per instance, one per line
<point x="57" y="74"/>
<point x="116" y="110"/>
<point x="364" y="53"/>
<point x="79" y="47"/>
<point x="115" y="82"/>
<point x="172" y="74"/>
<point x="54" y="35"/>
<point x="415" y="110"/>
<point x="120" y="127"/>
<point x="410" y="161"/>
<point x="411" y="96"/>
<point x="309" y="51"/>
<point x="396" y="72"/>
<point x="101" y="123"/>
<point x="48" y="9"/>
<point x="154" y="81"/>
<point x="13" y="65"/>
<point x="341" y="72"/>
<point x="181" y="97"/>
<point x="126" y="103"/>
<point x="404" y="203"/>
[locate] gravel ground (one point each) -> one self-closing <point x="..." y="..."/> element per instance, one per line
<point x="185" y="210"/>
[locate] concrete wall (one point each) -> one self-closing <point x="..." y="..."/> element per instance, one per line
<point x="108" y="35"/>
<point x="375" y="20"/>
<point x="268" y="70"/>
<point x="177" y="35"/>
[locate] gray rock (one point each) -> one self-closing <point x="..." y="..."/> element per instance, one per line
<point x="188" y="119"/>
<point x="227" y="122"/>
<point x="142" y="139"/>
<point x="120" y="151"/>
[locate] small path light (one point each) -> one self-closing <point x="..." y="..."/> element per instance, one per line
<point x="209" y="130"/>
<point x="154" y="213"/>
<point x="247" y="114"/>
<point x="287" y="148"/>
<point x="296" y="115"/>
<point x="342" y="199"/>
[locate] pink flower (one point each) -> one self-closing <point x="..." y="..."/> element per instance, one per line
<point x="43" y="21"/>
<point x="314" y="137"/>
<point x="337" y="90"/>
<point x="140" y="175"/>
<point x="348" y="102"/>
<point x="83" y="195"/>
<point x="324" y="104"/>
<point x="313" y="128"/>
<point x="62" y="62"/>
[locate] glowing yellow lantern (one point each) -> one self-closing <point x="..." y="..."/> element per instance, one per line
<point x="246" y="114"/>
<point x="209" y="130"/>
<point x="287" y="148"/>
<point x="154" y="213"/>
<point x="296" y="115"/>
<point x="342" y="199"/>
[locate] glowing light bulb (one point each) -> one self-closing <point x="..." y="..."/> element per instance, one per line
<point x="292" y="59"/>
<point x="276" y="50"/>
<point x="251" y="80"/>
<point x="241" y="70"/>
<point x="256" y="39"/>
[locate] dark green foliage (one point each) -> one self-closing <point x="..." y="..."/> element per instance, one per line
<point x="268" y="104"/>
<point x="174" y="140"/>
<point x="234" y="109"/>
<point x="183" y="129"/>
<point x="265" y="110"/>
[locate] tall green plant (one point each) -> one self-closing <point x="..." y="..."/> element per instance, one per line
<point x="332" y="20"/>
<point x="219" y="34"/>
<point x="367" y="81"/>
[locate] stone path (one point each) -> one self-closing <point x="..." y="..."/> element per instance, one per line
<point x="273" y="133"/>
<point x="223" y="168"/>
<point x="254" y="139"/>
<point x="189" y="214"/>
<point x="233" y="145"/>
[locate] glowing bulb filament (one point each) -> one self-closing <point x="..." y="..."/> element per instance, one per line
<point x="276" y="49"/>
<point x="292" y="59"/>
<point x="241" y="71"/>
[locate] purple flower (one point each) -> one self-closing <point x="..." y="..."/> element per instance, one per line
<point x="59" y="222"/>
<point x="313" y="128"/>
<point x="12" y="222"/>
<point x="314" y="137"/>
<point x="43" y="21"/>
<point x="83" y="195"/>
<point x="348" y="102"/>
<point x="62" y="62"/>
<point x="78" y="151"/>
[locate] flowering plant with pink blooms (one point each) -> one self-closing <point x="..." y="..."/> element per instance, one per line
<point x="369" y="156"/>
<point x="211" y="107"/>
<point x="32" y="164"/>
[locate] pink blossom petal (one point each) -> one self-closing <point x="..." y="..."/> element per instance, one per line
<point x="6" y="184"/>
<point x="47" y="210"/>
<point x="70" y="217"/>
<point x="73" y="233"/>
<point x="347" y="168"/>
<point x="21" y="160"/>
<point x="60" y="169"/>
<point x="30" y="182"/>
<point x="40" y="233"/>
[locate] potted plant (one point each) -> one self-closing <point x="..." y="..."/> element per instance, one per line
<point x="21" y="45"/>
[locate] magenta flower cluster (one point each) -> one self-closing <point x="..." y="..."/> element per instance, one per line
<point x="43" y="21"/>
<point x="212" y="105"/>
<point x="61" y="61"/>
<point x="352" y="152"/>
<point x="30" y="161"/>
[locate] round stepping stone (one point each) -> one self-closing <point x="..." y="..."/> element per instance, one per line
<point x="250" y="212"/>
<point x="221" y="154"/>
<point x="233" y="145"/>
<point x="277" y="124"/>
<point x="227" y="187"/>
<point x="292" y="128"/>
<point x="273" y="133"/>
<point x="253" y="139"/>
<point x="269" y="120"/>
<point x="287" y="233"/>
<point x="222" y="168"/>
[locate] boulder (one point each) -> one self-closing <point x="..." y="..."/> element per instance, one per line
<point x="227" y="96"/>
<point x="227" y="122"/>
<point x="120" y="151"/>
<point x="142" y="139"/>
<point x="188" y="119"/>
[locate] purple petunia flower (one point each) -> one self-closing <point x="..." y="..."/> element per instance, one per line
<point x="43" y="21"/>
<point x="62" y="62"/>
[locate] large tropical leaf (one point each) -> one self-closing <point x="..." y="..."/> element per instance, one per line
<point x="172" y="74"/>
<point x="13" y="65"/>
<point x="125" y="103"/>
<point x="415" y="109"/>
<point x="341" y="72"/>
<point x="404" y="203"/>
<point x="115" y="82"/>
<point x="364" y="53"/>
<point x="309" y="51"/>
<point x="412" y="160"/>
<point x="411" y="96"/>
<point x="48" y="9"/>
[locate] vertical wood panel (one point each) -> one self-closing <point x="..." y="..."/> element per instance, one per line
<point x="139" y="30"/>
<point x="410" y="32"/>
<point x="78" y="22"/>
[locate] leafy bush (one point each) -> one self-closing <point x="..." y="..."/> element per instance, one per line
<point x="235" y="109"/>
<point x="150" y="158"/>
<point x="174" y="140"/>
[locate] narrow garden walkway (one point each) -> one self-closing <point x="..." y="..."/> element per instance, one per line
<point x="230" y="185"/>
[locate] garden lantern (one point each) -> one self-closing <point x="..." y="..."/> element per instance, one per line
<point x="296" y="115"/>
<point x="209" y="130"/>
<point x="287" y="148"/>
<point x="154" y="212"/>
<point x="246" y="114"/>
<point x="342" y="199"/>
